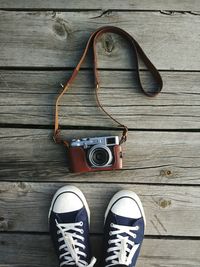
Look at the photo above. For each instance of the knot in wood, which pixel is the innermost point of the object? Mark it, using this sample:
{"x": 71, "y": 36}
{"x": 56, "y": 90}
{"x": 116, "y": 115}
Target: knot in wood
{"x": 163, "y": 203}
{"x": 108, "y": 43}
{"x": 165, "y": 173}
{"x": 59, "y": 28}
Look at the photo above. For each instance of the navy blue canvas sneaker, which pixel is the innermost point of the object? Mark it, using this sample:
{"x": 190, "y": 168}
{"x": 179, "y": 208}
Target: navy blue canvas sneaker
{"x": 123, "y": 230}
{"x": 69, "y": 219}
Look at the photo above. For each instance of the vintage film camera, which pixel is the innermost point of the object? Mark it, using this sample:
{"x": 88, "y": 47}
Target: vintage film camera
{"x": 102, "y": 153}
{"x": 94, "y": 154}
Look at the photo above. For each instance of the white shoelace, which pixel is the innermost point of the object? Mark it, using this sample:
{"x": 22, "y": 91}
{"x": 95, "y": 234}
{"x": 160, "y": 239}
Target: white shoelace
{"x": 71, "y": 245}
{"x": 122, "y": 254}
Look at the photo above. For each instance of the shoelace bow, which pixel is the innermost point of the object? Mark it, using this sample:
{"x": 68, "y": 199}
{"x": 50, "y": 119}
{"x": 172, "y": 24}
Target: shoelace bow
{"x": 72, "y": 246}
{"x": 121, "y": 253}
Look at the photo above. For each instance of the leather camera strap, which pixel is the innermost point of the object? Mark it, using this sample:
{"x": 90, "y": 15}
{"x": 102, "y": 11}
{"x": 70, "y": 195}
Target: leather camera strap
{"x": 139, "y": 53}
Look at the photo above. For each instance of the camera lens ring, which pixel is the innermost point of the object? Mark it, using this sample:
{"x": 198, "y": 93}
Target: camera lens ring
{"x": 100, "y": 148}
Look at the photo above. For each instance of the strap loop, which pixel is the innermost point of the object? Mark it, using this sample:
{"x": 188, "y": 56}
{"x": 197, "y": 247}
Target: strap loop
{"x": 56, "y": 137}
{"x": 124, "y": 135}
{"x": 138, "y": 52}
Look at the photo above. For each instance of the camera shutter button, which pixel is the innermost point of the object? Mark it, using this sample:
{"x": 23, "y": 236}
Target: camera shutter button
{"x": 85, "y": 146}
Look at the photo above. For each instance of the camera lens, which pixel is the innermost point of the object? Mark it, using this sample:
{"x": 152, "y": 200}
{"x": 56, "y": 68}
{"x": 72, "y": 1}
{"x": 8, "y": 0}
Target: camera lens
{"x": 100, "y": 156}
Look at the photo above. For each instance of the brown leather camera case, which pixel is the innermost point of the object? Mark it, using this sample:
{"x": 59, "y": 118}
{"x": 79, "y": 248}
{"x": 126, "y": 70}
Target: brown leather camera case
{"x": 79, "y": 163}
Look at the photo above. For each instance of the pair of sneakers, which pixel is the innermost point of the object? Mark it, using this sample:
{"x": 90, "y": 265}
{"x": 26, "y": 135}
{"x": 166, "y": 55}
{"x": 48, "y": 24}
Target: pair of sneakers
{"x": 69, "y": 220}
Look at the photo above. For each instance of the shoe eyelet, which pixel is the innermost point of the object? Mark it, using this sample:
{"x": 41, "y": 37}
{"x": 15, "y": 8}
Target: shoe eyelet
{"x": 58, "y": 232}
{"x": 134, "y": 236}
{"x": 137, "y": 228}
{"x": 110, "y": 233}
{"x": 82, "y": 231}
{"x": 81, "y": 223}
{"x": 111, "y": 225}
{"x": 109, "y": 242}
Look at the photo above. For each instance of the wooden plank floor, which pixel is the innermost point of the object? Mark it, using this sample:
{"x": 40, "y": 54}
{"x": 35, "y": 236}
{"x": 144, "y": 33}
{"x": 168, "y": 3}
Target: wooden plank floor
{"x": 40, "y": 43}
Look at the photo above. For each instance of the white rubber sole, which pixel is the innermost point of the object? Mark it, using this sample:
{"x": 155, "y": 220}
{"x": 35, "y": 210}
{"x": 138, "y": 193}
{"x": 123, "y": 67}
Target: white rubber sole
{"x": 74, "y": 189}
{"x": 125, "y": 193}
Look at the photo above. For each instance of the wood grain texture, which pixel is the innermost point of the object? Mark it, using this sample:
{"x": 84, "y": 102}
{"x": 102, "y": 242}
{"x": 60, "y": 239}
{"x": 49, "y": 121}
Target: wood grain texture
{"x": 166, "y": 207}
{"x": 161, "y": 163}
{"x": 104, "y": 5}
{"x": 21, "y": 250}
{"x": 49, "y": 39}
{"x": 149, "y": 157}
{"x": 28, "y": 97}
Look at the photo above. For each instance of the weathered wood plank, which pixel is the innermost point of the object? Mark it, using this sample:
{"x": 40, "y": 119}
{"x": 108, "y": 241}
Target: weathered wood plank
{"x": 50, "y": 39}
{"x": 166, "y": 207}
{"x": 28, "y": 97}
{"x": 104, "y": 5}
{"x": 150, "y": 157}
{"x": 20, "y": 250}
